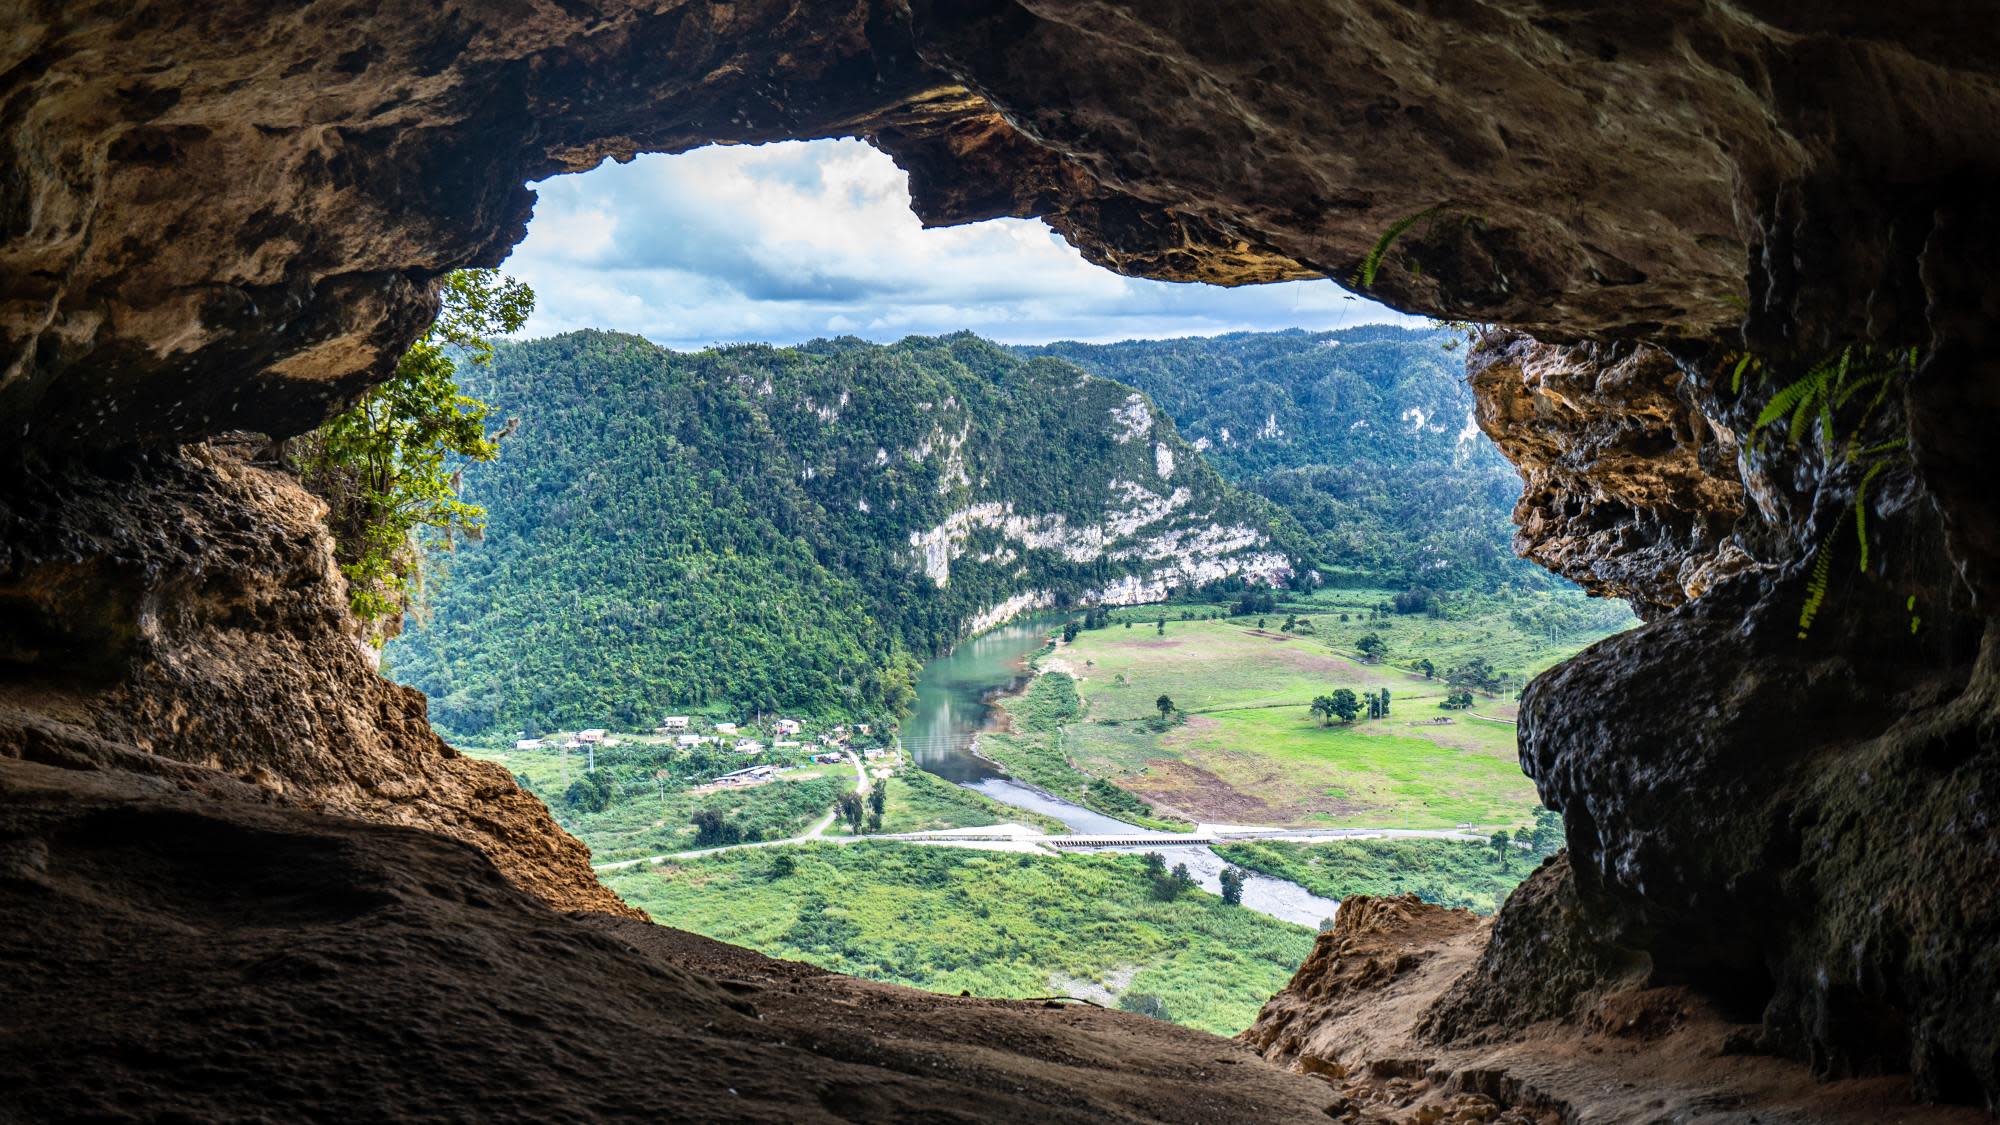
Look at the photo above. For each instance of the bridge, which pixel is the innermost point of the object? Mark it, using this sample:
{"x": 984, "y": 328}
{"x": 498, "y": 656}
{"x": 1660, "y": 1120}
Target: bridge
{"x": 1021, "y": 838}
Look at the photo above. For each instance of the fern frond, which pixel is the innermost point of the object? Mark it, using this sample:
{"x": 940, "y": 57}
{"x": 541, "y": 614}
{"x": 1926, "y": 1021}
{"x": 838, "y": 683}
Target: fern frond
{"x": 1364, "y": 278}
{"x": 1816, "y": 586}
{"x": 1861, "y": 508}
{"x": 1787, "y": 399}
{"x": 1736, "y": 380}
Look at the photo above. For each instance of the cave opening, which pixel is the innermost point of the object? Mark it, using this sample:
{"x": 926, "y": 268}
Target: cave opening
{"x": 234, "y": 221}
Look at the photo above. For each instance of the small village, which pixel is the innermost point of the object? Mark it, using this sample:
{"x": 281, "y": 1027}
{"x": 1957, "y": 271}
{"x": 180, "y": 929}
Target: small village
{"x": 788, "y": 745}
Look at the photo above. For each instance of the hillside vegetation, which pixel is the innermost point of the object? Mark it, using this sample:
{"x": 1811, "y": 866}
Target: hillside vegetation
{"x": 993, "y": 924}
{"x": 757, "y": 529}
{"x": 1363, "y": 435}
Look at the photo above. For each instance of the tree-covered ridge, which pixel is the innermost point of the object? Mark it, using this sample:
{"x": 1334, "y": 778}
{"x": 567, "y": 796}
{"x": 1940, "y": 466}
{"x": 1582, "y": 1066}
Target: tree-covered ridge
{"x": 1364, "y": 435}
{"x": 763, "y": 529}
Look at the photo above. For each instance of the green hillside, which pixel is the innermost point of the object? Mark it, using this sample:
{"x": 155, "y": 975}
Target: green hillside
{"x": 1363, "y": 435}
{"x": 761, "y": 529}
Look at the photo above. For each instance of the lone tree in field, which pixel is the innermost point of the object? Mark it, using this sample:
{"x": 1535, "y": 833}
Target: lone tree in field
{"x": 878, "y": 797}
{"x": 1166, "y": 705}
{"x": 1503, "y": 843}
{"x": 851, "y": 810}
{"x": 1232, "y": 887}
{"x": 1429, "y": 669}
{"x": 1372, "y": 647}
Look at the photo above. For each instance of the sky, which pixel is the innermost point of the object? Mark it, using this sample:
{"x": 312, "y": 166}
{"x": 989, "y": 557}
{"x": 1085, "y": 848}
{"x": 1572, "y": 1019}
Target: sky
{"x": 781, "y": 243}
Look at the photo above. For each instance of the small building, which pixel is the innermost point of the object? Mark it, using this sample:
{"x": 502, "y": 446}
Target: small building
{"x": 687, "y": 740}
{"x": 826, "y": 759}
{"x": 782, "y": 745}
{"x": 529, "y": 744}
{"x": 593, "y": 735}
{"x": 725, "y": 728}
{"x": 749, "y": 746}
{"x": 787, "y": 726}
{"x": 674, "y": 723}
{"x": 874, "y": 753}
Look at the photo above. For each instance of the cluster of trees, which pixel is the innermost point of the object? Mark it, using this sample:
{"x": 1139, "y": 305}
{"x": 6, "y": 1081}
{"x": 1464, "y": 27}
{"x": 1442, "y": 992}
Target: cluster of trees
{"x": 732, "y": 528}
{"x": 864, "y": 815}
{"x": 1542, "y": 840}
{"x": 1361, "y": 435}
{"x": 1167, "y": 885}
{"x": 1343, "y": 704}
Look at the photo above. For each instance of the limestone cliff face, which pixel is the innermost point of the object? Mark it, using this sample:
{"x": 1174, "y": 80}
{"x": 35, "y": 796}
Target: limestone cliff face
{"x": 199, "y": 618}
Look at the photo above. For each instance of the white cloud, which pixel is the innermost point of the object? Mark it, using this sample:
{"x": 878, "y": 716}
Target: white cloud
{"x": 781, "y": 243}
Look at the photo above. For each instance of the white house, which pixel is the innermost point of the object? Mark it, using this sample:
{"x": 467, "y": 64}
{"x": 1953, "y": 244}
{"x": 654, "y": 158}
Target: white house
{"x": 725, "y": 728}
{"x": 595, "y": 734}
{"x": 528, "y": 744}
{"x": 674, "y": 723}
{"x": 787, "y": 726}
{"x": 749, "y": 746}
{"x": 688, "y": 740}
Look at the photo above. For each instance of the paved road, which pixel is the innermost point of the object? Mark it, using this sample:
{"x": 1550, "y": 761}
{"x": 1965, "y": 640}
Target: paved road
{"x": 1072, "y": 841}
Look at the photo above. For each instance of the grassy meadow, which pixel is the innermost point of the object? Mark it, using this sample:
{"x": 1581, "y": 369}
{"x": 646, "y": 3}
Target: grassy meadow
{"x": 993, "y": 924}
{"x": 1245, "y": 748}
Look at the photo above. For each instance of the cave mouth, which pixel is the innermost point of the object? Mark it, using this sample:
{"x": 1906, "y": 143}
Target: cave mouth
{"x": 220, "y": 225}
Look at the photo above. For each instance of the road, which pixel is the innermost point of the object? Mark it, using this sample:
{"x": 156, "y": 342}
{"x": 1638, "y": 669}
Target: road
{"x": 816, "y": 832}
{"x": 1015, "y": 837}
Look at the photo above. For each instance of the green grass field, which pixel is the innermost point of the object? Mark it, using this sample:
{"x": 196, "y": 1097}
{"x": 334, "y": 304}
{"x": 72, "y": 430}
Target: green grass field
{"x": 1445, "y": 872}
{"x": 923, "y": 802}
{"x": 993, "y": 924}
{"x": 1249, "y": 750}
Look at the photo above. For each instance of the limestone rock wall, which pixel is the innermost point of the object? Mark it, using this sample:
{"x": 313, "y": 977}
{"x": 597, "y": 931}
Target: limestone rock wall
{"x": 187, "y": 607}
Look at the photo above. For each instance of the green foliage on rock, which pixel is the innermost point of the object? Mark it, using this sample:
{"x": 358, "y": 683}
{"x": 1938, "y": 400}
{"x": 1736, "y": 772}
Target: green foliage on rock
{"x": 772, "y": 529}
{"x": 388, "y": 467}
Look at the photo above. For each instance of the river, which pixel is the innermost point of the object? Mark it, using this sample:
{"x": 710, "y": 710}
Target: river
{"x": 954, "y": 703}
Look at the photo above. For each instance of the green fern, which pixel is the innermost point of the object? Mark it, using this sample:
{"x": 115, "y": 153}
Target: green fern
{"x": 1364, "y": 278}
{"x": 1816, "y": 587}
{"x": 1813, "y": 403}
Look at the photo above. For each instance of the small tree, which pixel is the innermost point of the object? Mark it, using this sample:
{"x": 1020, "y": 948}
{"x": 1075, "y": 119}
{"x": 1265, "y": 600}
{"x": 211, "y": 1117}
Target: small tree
{"x": 1161, "y": 625}
{"x": 1166, "y": 705}
{"x": 784, "y": 866}
{"x": 1384, "y": 697}
{"x": 1069, "y": 631}
{"x": 878, "y": 798}
{"x": 1156, "y": 865}
{"x": 1427, "y": 668}
{"x": 386, "y": 468}
{"x": 851, "y": 810}
{"x": 1372, "y": 647}
{"x": 1232, "y": 886}
{"x": 1346, "y": 705}
{"x": 1503, "y": 842}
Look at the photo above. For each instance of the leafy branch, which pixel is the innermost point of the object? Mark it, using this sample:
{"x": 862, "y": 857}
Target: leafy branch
{"x": 386, "y": 467}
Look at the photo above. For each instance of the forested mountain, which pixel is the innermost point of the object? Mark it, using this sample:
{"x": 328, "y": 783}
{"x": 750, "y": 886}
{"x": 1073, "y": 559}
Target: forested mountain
{"x": 756, "y": 528}
{"x": 1364, "y": 435}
